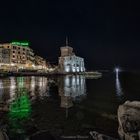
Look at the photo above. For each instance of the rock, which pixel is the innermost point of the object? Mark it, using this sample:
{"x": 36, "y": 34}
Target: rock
{"x": 97, "y": 136}
{"x": 129, "y": 120}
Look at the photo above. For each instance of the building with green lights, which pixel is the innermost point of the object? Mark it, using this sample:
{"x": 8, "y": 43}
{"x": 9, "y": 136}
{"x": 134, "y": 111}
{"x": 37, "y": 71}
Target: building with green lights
{"x": 17, "y": 54}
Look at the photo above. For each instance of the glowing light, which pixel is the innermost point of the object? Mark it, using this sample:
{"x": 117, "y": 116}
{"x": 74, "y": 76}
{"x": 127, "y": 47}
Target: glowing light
{"x": 21, "y": 106}
{"x": 20, "y": 81}
{"x": 24, "y": 44}
{"x": 78, "y": 69}
{"x": 67, "y": 69}
{"x": 73, "y": 69}
{"x": 118, "y": 85}
{"x": 12, "y": 87}
{"x": 19, "y": 109}
{"x": 117, "y": 70}
{"x": 1, "y": 89}
{"x": 12, "y": 64}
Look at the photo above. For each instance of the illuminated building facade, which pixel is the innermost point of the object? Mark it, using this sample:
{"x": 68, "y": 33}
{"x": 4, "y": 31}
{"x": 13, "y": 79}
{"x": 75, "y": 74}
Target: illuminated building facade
{"x": 40, "y": 62}
{"x": 69, "y": 62}
{"x": 16, "y": 52}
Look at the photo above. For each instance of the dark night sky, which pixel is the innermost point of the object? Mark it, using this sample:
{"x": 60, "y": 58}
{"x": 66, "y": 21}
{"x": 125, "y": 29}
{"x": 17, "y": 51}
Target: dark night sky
{"x": 105, "y": 32}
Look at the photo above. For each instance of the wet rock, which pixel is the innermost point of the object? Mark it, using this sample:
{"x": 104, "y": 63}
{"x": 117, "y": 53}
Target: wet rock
{"x": 97, "y": 136}
{"x": 129, "y": 120}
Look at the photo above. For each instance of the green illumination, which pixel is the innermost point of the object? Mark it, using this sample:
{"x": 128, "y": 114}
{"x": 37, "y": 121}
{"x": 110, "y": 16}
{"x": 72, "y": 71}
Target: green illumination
{"x": 20, "y": 82}
{"x": 19, "y": 111}
{"x": 16, "y": 43}
{"x": 20, "y": 108}
{"x": 24, "y": 44}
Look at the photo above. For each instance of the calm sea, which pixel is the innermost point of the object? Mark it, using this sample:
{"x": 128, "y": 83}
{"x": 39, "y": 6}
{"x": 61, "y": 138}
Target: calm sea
{"x": 65, "y": 106}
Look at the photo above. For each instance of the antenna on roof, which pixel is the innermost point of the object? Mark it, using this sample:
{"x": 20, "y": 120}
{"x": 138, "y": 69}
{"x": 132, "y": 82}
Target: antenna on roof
{"x": 67, "y": 43}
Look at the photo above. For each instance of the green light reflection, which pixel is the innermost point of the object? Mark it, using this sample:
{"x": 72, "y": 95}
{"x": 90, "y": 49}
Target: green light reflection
{"x": 19, "y": 109}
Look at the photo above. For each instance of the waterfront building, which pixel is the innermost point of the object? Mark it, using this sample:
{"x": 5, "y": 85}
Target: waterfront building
{"x": 6, "y": 56}
{"x": 40, "y": 62}
{"x": 69, "y": 62}
{"x": 16, "y": 55}
{"x": 19, "y": 52}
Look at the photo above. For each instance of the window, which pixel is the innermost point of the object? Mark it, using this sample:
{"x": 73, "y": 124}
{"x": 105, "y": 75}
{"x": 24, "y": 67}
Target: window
{"x": 13, "y": 51}
{"x": 18, "y": 52}
{"x": 14, "y": 47}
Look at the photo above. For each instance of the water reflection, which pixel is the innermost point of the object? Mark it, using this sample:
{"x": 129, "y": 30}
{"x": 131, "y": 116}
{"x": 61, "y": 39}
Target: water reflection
{"x": 18, "y": 94}
{"x": 119, "y": 91}
{"x": 46, "y": 102}
{"x": 32, "y": 86}
{"x": 43, "y": 86}
{"x": 1, "y": 90}
{"x": 71, "y": 88}
{"x": 19, "y": 109}
{"x": 12, "y": 87}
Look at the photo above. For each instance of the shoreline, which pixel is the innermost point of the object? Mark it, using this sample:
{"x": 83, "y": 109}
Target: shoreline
{"x": 88, "y": 74}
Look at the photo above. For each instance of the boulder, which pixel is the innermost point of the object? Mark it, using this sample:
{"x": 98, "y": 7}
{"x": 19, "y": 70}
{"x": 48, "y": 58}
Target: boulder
{"x": 129, "y": 120}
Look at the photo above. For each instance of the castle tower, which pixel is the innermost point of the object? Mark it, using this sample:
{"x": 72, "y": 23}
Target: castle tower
{"x": 68, "y": 61}
{"x": 66, "y": 50}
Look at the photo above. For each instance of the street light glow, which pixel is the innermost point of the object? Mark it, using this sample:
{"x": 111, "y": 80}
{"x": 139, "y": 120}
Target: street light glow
{"x": 117, "y": 70}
